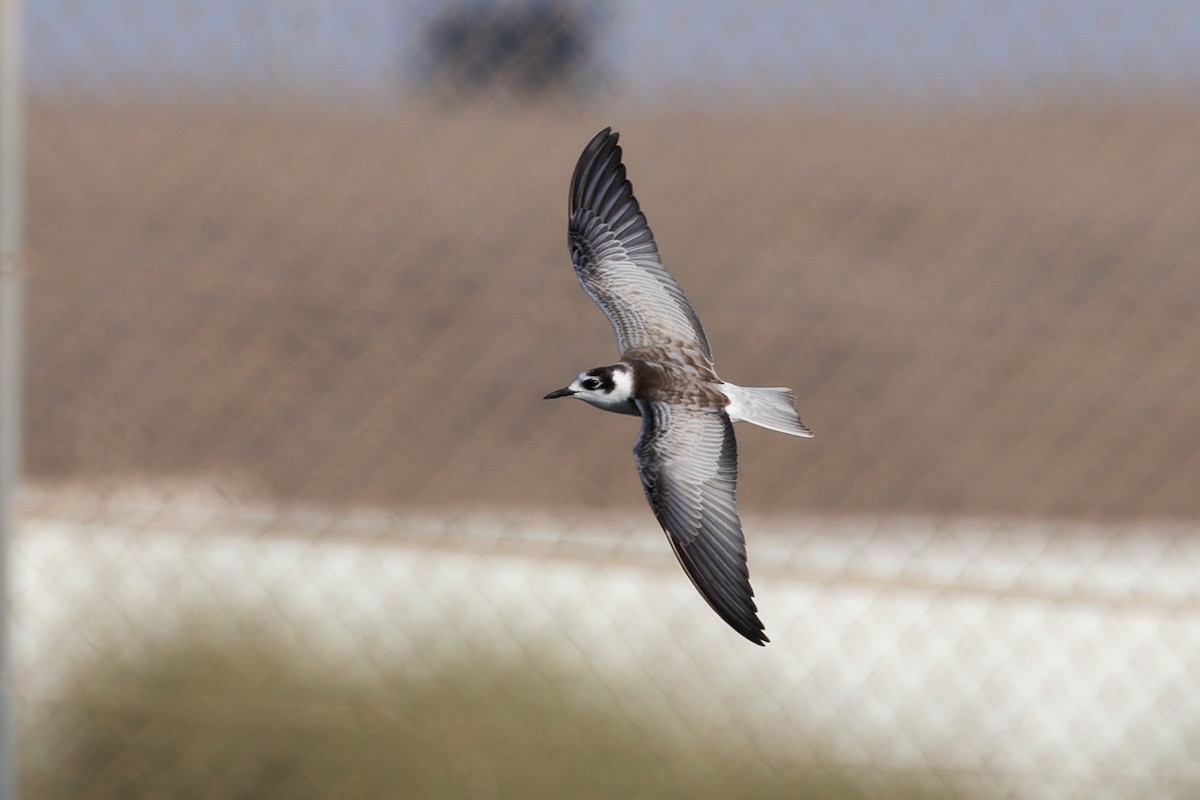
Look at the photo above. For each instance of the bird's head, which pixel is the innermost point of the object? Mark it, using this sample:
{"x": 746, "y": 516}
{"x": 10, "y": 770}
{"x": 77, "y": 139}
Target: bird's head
{"x": 609, "y": 388}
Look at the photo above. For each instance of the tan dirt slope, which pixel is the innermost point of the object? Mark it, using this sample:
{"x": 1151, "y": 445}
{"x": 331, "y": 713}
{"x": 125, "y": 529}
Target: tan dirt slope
{"x": 985, "y": 311}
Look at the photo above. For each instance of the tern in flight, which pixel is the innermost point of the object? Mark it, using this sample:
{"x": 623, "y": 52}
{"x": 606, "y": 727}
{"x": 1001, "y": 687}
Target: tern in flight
{"x": 686, "y": 454}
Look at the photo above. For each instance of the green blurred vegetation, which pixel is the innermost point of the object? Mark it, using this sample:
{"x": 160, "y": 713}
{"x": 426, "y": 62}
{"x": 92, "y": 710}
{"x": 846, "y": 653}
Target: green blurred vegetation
{"x": 240, "y": 714}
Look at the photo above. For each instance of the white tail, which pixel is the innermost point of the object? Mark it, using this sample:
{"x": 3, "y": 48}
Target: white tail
{"x": 772, "y": 408}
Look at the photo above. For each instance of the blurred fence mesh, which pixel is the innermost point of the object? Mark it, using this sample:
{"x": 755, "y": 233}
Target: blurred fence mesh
{"x": 296, "y": 523}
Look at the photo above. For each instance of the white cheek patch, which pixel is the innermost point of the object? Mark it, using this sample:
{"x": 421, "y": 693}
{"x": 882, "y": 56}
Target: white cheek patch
{"x": 622, "y": 385}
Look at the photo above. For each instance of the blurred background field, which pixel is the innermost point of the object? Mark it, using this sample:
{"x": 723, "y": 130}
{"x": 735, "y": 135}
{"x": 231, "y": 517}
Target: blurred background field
{"x": 295, "y": 522}
{"x": 984, "y": 312}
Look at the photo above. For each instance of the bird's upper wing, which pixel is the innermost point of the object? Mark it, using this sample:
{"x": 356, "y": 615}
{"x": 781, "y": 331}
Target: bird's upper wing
{"x": 616, "y": 259}
{"x": 687, "y": 460}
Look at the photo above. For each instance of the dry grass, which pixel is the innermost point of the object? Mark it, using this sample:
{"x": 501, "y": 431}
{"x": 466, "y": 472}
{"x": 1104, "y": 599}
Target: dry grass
{"x": 987, "y": 311}
{"x": 236, "y": 714}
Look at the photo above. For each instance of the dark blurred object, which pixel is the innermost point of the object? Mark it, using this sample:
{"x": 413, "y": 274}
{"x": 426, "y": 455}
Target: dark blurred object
{"x": 530, "y": 48}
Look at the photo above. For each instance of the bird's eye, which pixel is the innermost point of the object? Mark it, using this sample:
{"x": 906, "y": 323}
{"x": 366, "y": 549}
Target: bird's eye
{"x": 590, "y": 384}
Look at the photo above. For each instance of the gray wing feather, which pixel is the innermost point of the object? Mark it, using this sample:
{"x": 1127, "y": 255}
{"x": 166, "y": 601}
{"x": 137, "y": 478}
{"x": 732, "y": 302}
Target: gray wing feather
{"x": 687, "y": 460}
{"x": 616, "y": 260}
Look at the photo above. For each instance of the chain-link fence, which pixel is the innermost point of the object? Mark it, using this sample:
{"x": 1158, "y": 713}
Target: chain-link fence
{"x": 296, "y": 523}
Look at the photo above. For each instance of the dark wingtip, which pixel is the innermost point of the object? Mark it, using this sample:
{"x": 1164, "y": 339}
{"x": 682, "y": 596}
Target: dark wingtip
{"x": 598, "y": 139}
{"x": 598, "y": 149}
{"x": 736, "y": 610}
{"x": 752, "y": 634}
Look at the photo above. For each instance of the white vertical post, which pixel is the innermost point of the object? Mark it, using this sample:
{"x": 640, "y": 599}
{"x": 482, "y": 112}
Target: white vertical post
{"x": 12, "y": 180}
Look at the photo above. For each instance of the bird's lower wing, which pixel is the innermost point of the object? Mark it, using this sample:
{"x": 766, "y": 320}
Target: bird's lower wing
{"x": 687, "y": 460}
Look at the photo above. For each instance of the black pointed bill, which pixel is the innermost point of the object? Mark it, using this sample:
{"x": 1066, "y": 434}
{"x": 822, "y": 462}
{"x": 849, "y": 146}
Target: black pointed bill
{"x": 565, "y": 392}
